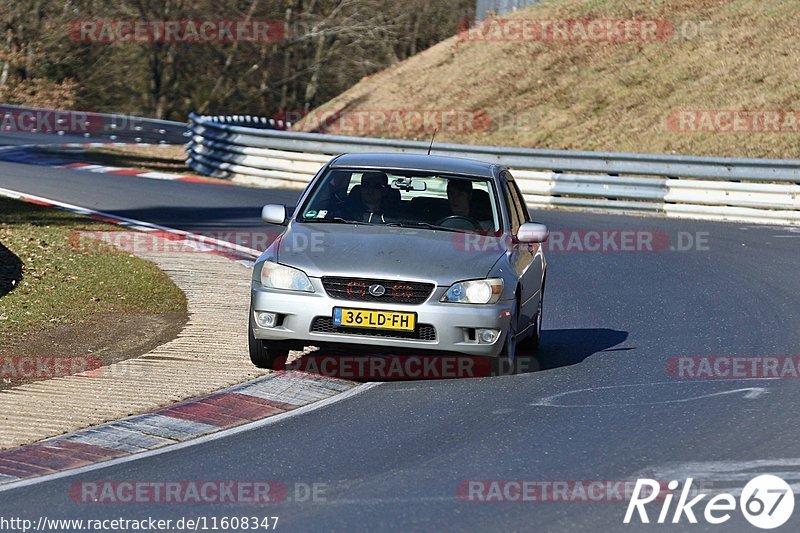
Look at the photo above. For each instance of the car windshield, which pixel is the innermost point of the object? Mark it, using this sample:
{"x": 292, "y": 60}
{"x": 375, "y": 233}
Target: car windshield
{"x": 403, "y": 198}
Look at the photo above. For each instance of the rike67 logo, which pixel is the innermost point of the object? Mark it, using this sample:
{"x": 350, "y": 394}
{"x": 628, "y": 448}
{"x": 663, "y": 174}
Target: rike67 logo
{"x": 767, "y": 502}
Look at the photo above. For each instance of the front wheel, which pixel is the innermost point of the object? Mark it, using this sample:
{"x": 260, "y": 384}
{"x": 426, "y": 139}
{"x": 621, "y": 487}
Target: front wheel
{"x": 532, "y": 342}
{"x": 536, "y": 337}
{"x": 263, "y": 354}
{"x": 509, "y": 351}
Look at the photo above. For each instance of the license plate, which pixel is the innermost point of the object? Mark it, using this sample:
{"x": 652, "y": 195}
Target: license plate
{"x": 365, "y": 318}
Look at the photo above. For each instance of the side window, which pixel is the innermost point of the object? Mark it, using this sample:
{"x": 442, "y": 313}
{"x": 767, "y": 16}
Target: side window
{"x": 513, "y": 210}
{"x": 524, "y": 215}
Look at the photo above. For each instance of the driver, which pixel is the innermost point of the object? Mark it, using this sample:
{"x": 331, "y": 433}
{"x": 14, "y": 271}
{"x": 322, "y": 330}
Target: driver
{"x": 459, "y": 194}
{"x": 335, "y": 201}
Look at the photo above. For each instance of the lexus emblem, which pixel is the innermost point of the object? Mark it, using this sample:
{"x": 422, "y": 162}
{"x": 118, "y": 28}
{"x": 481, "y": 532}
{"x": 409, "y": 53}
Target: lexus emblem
{"x": 377, "y": 290}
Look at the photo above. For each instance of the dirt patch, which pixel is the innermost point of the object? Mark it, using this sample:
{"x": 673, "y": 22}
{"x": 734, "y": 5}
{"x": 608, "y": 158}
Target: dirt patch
{"x": 59, "y": 350}
{"x": 159, "y": 158}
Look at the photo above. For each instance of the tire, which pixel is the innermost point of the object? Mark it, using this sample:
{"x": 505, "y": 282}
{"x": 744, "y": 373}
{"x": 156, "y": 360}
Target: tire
{"x": 263, "y": 354}
{"x": 532, "y": 342}
{"x": 509, "y": 350}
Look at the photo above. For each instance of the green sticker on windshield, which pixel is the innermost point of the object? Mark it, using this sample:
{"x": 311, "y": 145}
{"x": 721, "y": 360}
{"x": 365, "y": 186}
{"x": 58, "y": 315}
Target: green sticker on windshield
{"x": 311, "y": 214}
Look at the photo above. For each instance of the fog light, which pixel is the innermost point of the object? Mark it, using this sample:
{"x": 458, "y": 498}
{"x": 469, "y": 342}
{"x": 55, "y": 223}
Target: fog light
{"x": 487, "y": 336}
{"x": 266, "y": 320}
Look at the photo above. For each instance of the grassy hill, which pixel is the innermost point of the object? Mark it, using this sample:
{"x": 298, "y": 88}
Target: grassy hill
{"x": 717, "y": 56}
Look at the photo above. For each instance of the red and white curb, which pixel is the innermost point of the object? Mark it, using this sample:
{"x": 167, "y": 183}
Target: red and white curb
{"x": 216, "y": 246}
{"x": 217, "y": 415}
{"x": 120, "y": 171}
{"x": 232, "y": 410}
{"x": 105, "y": 169}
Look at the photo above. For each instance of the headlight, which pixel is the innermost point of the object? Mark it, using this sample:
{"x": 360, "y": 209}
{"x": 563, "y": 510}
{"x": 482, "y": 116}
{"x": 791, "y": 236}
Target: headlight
{"x": 482, "y": 291}
{"x": 277, "y": 276}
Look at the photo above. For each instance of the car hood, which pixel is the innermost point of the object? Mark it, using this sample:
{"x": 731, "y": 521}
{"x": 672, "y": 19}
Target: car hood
{"x": 383, "y": 252}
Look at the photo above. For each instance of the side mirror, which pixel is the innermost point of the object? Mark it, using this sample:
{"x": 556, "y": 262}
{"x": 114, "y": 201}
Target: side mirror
{"x": 531, "y": 232}
{"x": 273, "y": 214}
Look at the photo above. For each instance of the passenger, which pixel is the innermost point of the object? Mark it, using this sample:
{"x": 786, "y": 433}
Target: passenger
{"x": 371, "y": 203}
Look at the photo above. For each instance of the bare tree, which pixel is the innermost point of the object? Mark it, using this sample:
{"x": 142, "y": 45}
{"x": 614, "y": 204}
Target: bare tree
{"x": 329, "y": 45}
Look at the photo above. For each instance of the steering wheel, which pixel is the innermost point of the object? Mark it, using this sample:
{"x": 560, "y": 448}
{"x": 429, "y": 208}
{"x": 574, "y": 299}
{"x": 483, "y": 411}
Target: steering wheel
{"x": 445, "y": 222}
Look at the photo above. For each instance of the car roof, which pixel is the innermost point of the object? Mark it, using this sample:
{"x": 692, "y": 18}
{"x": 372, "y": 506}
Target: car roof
{"x": 422, "y": 162}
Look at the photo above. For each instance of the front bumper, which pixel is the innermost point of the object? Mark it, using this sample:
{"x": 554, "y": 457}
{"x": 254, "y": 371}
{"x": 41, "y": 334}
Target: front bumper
{"x": 454, "y": 324}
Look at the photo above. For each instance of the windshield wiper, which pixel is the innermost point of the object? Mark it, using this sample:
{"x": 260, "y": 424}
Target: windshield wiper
{"x": 332, "y": 220}
{"x": 420, "y": 225}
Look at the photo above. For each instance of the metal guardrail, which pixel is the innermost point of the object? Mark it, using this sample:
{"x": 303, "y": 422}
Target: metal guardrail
{"x": 91, "y": 126}
{"x": 749, "y": 190}
{"x": 250, "y": 121}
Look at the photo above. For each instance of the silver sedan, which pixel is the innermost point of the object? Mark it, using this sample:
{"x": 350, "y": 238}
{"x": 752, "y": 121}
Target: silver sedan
{"x": 401, "y": 252}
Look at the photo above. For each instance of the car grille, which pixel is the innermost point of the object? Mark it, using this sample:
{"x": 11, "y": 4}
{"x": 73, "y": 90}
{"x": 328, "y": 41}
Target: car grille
{"x": 423, "y": 332}
{"x": 401, "y": 292}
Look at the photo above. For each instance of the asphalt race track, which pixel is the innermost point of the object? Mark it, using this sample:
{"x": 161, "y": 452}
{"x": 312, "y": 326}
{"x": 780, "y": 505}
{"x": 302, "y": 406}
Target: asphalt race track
{"x": 600, "y": 406}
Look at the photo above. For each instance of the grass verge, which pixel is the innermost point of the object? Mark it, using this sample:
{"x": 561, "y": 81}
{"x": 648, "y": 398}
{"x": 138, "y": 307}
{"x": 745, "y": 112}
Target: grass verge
{"x": 61, "y": 284}
{"x": 154, "y": 158}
